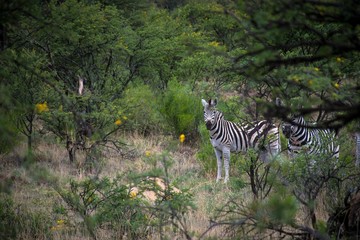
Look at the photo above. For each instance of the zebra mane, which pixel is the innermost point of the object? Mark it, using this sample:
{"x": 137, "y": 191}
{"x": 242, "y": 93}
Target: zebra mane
{"x": 219, "y": 114}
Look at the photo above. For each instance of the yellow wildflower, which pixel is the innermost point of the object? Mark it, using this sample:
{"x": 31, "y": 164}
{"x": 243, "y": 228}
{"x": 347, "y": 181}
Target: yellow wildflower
{"x": 60, "y": 222}
{"x": 339, "y": 59}
{"x": 336, "y": 85}
{"x": 296, "y": 79}
{"x": 132, "y": 194}
{"x": 125, "y": 117}
{"x": 118, "y": 122}
{"x": 316, "y": 69}
{"x": 54, "y": 228}
{"x": 214, "y": 44}
{"x": 182, "y": 138}
{"x": 41, "y": 107}
{"x": 147, "y": 153}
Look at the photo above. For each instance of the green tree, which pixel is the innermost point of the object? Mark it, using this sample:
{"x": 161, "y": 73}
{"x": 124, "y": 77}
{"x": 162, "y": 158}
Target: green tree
{"x": 11, "y": 12}
{"x": 88, "y": 43}
{"x": 304, "y": 50}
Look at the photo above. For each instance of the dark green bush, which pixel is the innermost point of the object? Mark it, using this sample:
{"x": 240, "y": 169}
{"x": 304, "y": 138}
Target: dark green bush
{"x": 17, "y": 222}
{"x": 7, "y": 218}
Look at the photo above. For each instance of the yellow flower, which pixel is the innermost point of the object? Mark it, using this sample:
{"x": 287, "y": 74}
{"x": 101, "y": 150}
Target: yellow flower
{"x": 214, "y": 44}
{"x": 317, "y": 69}
{"x": 41, "y": 107}
{"x": 54, "y": 228}
{"x": 118, "y": 122}
{"x": 182, "y": 138}
{"x": 296, "y": 79}
{"x": 60, "y": 221}
{"x": 336, "y": 85}
{"x": 339, "y": 59}
{"x": 147, "y": 153}
{"x": 133, "y": 194}
{"x": 125, "y": 117}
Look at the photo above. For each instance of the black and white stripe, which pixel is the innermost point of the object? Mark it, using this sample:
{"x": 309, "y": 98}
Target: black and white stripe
{"x": 226, "y": 137}
{"x": 305, "y": 138}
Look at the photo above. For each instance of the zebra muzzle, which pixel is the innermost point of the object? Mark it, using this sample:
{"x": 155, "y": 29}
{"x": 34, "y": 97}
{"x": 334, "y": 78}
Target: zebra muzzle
{"x": 208, "y": 125}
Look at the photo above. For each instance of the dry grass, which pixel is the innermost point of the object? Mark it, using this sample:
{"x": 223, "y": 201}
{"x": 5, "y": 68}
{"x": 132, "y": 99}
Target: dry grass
{"x": 140, "y": 155}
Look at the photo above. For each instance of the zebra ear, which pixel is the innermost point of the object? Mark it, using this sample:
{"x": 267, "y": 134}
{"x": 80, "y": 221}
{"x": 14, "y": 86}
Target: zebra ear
{"x": 215, "y": 102}
{"x": 212, "y": 102}
{"x": 204, "y": 103}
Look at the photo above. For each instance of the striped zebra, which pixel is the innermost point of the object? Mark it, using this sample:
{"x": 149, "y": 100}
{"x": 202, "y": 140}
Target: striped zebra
{"x": 226, "y": 137}
{"x": 304, "y": 138}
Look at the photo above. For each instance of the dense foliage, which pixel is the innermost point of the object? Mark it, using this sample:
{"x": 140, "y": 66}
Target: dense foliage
{"x": 84, "y": 71}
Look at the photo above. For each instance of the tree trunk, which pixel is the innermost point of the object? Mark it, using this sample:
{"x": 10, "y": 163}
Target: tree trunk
{"x": 71, "y": 150}
{"x": 357, "y": 152}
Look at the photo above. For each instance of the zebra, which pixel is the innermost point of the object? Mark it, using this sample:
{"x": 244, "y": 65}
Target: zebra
{"x": 305, "y": 138}
{"x": 226, "y": 137}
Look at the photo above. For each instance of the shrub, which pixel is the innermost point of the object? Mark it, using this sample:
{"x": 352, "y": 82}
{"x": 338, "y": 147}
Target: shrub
{"x": 7, "y": 218}
{"x": 142, "y": 110}
{"x": 182, "y": 110}
{"x": 17, "y": 222}
{"x": 206, "y": 153}
{"x": 111, "y": 204}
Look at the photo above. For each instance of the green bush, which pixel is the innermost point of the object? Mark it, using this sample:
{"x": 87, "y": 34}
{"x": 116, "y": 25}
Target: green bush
{"x": 206, "y": 153}
{"x": 17, "y": 222}
{"x": 111, "y": 204}
{"x": 9, "y": 134}
{"x": 7, "y": 218}
{"x": 182, "y": 110}
{"x": 142, "y": 110}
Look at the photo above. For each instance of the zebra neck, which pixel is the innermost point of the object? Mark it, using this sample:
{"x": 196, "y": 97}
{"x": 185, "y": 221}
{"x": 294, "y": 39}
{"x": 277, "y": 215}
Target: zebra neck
{"x": 299, "y": 137}
{"x": 217, "y": 128}
{"x": 214, "y": 131}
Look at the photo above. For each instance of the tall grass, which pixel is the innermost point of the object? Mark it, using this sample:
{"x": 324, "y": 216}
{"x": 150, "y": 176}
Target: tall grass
{"x": 45, "y": 200}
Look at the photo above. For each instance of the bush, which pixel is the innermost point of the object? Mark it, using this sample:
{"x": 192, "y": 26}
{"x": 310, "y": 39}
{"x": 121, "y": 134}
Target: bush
{"x": 142, "y": 110}
{"x": 206, "y": 153}
{"x": 7, "y": 218}
{"x": 19, "y": 223}
{"x": 182, "y": 110}
{"x": 111, "y": 204}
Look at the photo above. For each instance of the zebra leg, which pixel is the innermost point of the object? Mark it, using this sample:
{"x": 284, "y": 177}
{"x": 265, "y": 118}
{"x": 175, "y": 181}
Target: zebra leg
{"x": 265, "y": 156}
{"x": 218, "y": 154}
{"x": 226, "y": 152}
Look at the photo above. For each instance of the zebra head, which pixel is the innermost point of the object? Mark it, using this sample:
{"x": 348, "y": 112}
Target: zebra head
{"x": 290, "y": 128}
{"x": 209, "y": 112}
{"x": 287, "y": 129}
